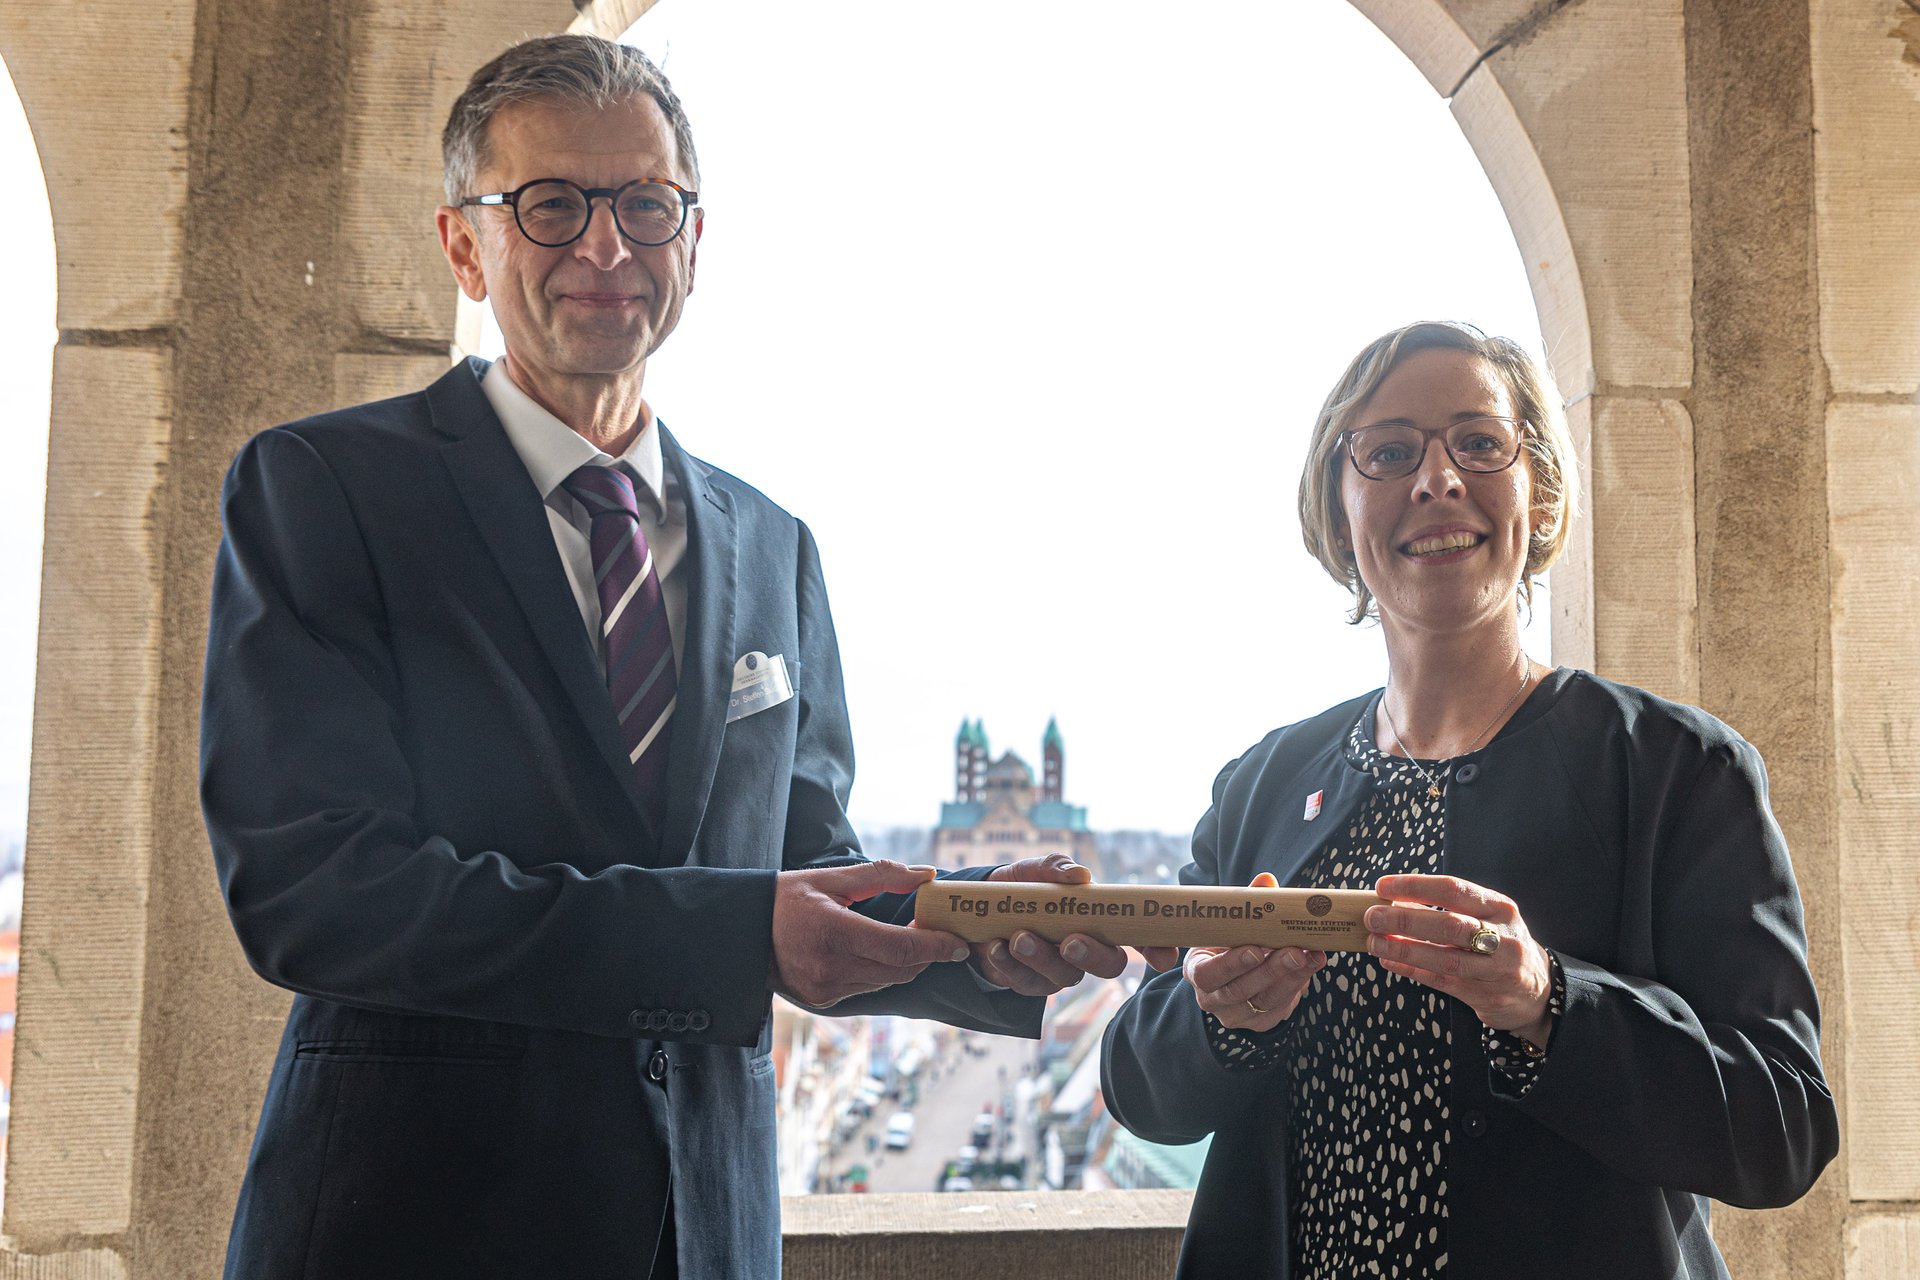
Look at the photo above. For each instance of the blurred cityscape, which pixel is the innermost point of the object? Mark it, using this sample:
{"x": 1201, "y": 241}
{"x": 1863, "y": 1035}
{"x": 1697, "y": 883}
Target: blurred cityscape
{"x": 901, "y": 1104}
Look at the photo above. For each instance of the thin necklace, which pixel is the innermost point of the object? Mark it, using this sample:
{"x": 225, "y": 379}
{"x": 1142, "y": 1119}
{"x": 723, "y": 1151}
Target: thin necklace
{"x": 1433, "y": 784}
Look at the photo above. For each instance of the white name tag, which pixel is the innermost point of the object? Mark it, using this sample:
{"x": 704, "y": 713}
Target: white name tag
{"x": 759, "y": 682}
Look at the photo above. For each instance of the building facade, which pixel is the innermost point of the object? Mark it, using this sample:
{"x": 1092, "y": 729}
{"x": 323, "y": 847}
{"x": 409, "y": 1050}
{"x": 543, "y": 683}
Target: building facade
{"x": 999, "y": 813}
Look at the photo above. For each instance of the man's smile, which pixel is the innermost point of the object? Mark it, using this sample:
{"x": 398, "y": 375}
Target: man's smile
{"x": 602, "y": 300}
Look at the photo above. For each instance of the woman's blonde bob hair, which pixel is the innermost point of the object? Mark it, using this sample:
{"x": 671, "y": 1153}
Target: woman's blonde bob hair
{"x": 1556, "y": 474}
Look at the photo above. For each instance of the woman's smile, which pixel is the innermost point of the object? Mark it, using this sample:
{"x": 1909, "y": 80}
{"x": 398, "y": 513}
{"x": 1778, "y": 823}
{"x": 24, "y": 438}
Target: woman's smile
{"x": 1442, "y": 547}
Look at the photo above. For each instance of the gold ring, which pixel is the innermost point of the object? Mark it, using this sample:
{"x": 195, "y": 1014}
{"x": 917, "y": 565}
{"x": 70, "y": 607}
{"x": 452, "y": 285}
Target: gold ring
{"x": 1484, "y": 941}
{"x": 1256, "y": 1008}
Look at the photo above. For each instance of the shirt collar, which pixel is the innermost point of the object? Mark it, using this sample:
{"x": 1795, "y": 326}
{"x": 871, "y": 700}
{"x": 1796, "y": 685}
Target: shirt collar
{"x": 551, "y": 450}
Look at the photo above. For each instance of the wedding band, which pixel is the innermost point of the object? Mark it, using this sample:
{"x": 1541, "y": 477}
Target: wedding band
{"x": 1484, "y": 941}
{"x": 1256, "y": 1008}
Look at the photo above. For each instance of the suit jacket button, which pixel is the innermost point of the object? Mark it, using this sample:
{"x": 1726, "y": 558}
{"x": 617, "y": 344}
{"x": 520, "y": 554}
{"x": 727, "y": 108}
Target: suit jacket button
{"x": 698, "y": 1021}
{"x": 677, "y": 1023}
{"x": 637, "y": 1019}
{"x": 657, "y": 1066}
{"x": 1466, "y": 773}
{"x": 657, "y": 1020}
{"x": 1474, "y": 1123}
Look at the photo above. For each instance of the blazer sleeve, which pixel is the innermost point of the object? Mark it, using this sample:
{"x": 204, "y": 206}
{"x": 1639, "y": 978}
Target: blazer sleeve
{"x": 818, "y": 832}
{"x": 1160, "y": 1078}
{"x": 308, "y": 797}
{"x": 1706, "y": 1076}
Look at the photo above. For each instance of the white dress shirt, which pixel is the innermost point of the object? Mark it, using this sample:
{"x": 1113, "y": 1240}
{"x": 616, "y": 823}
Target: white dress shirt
{"x": 552, "y": 451}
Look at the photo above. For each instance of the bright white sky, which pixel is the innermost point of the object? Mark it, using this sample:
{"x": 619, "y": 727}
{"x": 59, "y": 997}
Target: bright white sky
{"x": 26, "y": 359}
{"x": 1026, "y": 309}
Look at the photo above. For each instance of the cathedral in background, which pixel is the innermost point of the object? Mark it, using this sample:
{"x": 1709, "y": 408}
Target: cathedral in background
{"x": 999, "y": 814}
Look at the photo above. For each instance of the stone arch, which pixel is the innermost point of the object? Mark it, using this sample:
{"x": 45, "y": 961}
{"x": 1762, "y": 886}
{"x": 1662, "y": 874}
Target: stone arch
{"x": 1715, "y": 291}
{"x": 1726, "y": 189}
{"x": 25, "y": 330}
{"x": 1616, "y": 326}
{"x": 79, "y": 606}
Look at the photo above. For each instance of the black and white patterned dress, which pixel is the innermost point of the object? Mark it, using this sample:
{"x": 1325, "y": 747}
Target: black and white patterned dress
{"x": 1368, "y": 1057}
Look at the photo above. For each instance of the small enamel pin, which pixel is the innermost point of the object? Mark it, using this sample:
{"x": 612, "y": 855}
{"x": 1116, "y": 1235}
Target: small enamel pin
{"x": 1312, "y": 810}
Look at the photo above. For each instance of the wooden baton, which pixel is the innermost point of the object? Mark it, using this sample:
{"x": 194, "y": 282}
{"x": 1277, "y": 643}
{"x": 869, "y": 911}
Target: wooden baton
{"x": 1149, "y": 915}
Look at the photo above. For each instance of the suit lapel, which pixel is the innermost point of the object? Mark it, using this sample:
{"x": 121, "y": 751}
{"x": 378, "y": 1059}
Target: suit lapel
{"x": 707, "y": 656}
{"x": 512, "y": 521}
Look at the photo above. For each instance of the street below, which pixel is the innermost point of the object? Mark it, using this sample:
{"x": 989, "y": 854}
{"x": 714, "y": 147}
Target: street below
{"x": 978, "y": 1074}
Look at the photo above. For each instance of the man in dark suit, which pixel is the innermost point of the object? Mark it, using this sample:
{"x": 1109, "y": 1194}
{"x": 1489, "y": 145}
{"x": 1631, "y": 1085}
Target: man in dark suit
{"x": 525, "y": 760}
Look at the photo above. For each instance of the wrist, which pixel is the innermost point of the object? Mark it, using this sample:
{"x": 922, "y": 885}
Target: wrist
{"x": 1537, "y": 1033}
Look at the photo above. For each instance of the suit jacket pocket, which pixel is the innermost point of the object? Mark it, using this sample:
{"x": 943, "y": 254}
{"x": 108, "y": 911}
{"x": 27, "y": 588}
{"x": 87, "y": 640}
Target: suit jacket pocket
{"x": 478, "y": 1052}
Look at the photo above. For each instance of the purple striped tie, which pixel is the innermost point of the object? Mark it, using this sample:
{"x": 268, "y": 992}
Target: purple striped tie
{"x": 633, "y": 624}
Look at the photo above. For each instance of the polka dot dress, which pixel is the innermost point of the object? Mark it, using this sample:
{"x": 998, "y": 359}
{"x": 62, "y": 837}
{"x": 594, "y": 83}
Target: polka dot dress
{"x": 1369, "y": 1056}
{"x": 1371, "y": 1062}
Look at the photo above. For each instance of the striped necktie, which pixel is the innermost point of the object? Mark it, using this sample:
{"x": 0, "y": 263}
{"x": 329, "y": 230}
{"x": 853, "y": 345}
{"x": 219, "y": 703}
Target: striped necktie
{"x": 633, "y": 624}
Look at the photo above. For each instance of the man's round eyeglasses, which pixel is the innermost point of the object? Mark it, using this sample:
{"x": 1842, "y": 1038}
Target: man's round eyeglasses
{"x": 1391, "y": 450}
{"x": 553, "y": 212}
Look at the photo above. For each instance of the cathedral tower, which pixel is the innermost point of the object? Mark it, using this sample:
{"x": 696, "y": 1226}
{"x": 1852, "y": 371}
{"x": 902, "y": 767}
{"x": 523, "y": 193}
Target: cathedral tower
{"x": 1053, "y": 763}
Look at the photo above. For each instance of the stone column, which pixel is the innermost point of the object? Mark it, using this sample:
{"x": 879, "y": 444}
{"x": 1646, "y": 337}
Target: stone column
{"x": 242, "y": 197}
{"x": 1760, "y": 473}
{"x": 1754, "y": 321}
{"x": 1865, "y": 119}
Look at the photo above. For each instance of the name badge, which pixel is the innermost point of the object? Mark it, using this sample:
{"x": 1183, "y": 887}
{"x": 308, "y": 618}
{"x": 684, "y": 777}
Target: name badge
{"x": 759, "y": 682}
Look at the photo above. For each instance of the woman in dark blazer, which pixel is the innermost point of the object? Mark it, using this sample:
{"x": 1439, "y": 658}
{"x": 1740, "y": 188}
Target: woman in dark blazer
{"x": 1585, "y": 1009}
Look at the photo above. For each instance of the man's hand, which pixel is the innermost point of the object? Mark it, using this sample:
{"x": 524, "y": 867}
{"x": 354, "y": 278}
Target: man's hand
{"x": 823, "y": 952}
{"x": 1028, "y": 963}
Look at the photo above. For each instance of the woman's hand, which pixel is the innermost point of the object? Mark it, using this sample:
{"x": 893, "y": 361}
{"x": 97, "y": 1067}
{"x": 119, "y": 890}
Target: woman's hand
{"x": 1252, "y": 988}
{"x": 1427, "y": 934}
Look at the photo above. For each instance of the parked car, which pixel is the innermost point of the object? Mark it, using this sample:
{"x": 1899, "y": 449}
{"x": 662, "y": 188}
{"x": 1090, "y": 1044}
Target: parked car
{"x": 900, "y": 1131}
{"x": 983, "y": 1127}
{"x": 867, "y": 1097}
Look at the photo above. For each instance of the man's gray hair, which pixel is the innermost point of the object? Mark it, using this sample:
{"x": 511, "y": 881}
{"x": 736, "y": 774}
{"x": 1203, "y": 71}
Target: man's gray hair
{"x": 575, "y": 70}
